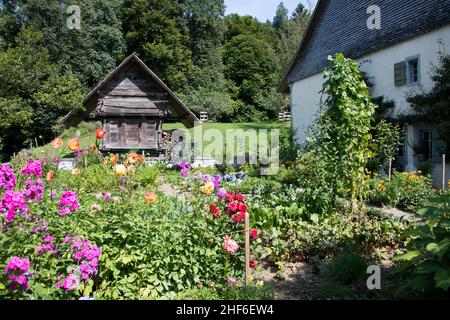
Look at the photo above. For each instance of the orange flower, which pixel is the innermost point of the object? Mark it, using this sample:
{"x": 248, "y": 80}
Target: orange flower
{"x": 105, "y": 162}
{"x": 73, "y": 144}
{"x": 49, "y": 176}
{"x": 99, "y": 133}
{"x": 151, "y": 197}
{"x": 114, "y": 159}
{"x": 57, "y": 143}
{"x": 133, "y": 157}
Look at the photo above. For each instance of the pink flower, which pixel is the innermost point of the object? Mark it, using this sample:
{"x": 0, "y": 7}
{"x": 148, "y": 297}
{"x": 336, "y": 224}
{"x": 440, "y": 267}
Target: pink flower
{"x": 233, "y": 206}
{"x": 7, "y": 178}
{"x": 185, "y": 172}
{"x": 238, "y": 217}
{"x": 254, "y": 233}
{"x": 230, "y": 246}
{"x": 21, "y": 279}
{"x": 107, "y": 196}
{"x": 207, "y": 178}
{"x": 71, "y": 282}
{"x": 241, "y": 207}
{"x": 13, "y": 203}
{"x": 69, "y": 203}
{"x": 17, "y": 268}
{"x": 49, "y": 239}
{"x": 198, "y": 175}
{"x": 34, "y": 190}
{"x": 232, "y": 282}
{"x": 33, "y": 168}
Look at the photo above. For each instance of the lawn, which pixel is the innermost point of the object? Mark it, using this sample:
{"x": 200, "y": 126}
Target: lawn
{"x": 85, "y": 132}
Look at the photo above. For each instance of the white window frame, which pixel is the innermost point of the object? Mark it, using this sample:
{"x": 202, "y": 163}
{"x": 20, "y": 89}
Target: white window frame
{"x": 408, "y": 61}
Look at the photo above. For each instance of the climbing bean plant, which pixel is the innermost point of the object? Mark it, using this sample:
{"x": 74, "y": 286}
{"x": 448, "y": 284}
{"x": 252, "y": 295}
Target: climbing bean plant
{"x": 342, "y": 135}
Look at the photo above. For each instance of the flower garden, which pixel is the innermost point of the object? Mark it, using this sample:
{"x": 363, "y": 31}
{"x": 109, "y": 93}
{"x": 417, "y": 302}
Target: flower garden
{"x": 119, "y": 227}
{"x": 108, "y": 230}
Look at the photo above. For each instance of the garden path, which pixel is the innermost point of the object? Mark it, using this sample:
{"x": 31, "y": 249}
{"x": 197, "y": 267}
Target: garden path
{"x": 396, "y": 213}
{"x": 299, "y": 282}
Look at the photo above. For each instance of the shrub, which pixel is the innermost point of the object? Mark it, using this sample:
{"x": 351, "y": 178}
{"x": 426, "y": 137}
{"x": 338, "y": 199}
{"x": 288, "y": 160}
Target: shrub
{"x": 425, "y": 266}
{"x": 406, "y": 191}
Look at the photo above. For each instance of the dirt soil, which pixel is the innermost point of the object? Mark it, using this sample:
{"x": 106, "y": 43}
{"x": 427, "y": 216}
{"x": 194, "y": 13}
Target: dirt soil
{"x": 299, "y": 284}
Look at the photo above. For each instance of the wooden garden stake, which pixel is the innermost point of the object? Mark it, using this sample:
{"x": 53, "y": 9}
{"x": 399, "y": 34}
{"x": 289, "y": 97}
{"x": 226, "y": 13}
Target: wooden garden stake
{"x": 443, "y": 172}
{"x": 390, "y": 170}
{"x": 247, "y": 248}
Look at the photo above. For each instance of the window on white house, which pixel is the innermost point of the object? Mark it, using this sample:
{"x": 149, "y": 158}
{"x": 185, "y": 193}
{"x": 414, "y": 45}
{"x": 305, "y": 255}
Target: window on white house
{"x": 427, "y": 144}
{"x": 412, "y": 66}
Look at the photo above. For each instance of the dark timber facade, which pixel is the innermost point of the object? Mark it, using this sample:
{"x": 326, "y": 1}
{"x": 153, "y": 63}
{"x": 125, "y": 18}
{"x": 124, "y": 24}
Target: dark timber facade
{"x": 132, "y": 103}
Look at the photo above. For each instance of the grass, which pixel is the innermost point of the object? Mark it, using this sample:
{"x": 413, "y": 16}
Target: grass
{"x": 85, "y": 131}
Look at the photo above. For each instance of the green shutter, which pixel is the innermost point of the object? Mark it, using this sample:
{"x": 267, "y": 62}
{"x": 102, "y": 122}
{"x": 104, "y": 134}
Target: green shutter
{"x": 400, "y": 74}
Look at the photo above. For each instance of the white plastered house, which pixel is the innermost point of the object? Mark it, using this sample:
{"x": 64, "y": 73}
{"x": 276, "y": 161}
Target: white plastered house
{"x": 396, "y": 43}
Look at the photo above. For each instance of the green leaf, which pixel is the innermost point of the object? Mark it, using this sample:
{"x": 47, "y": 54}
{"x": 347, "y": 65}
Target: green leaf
{"x": 442, "y": 278}
{"x": 408, "y": 256}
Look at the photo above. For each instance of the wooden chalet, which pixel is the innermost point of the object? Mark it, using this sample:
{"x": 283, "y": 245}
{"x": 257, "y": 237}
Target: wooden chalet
{"x": 132, "y": 103}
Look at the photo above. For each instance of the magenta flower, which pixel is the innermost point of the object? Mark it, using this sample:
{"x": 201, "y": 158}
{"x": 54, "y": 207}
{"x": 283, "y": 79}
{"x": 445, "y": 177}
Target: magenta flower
{"x": 183, "y": 165}
{"x": 107, "y": 197}
{"x": 18, "y": 273}
{"x": 13, "y": 203}
{"x": 87, "y": 254}
{"x": 69, "y": 203}
{"x": 34, "y": 190}
{"x": 217, "y": 179}
{"x": 33, "y": 168}
{"x": 7, "y": 178}
{"x": 16, "y": 263}
{"x": 185, "y": 172}
{"x": 71, "y": 282}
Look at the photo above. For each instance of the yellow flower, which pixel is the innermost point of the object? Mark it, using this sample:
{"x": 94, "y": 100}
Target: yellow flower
{"x": 120, "y": 170}
{"x": 75, "y": 171}
{"x": 207, "y": 188}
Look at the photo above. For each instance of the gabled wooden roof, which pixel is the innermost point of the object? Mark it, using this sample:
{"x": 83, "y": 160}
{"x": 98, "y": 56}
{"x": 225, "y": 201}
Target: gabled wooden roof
{"x": 181, "y": 111}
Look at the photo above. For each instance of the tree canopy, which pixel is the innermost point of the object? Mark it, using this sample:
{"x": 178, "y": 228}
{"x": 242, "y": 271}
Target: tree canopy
{"x": 228, "y": 65}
